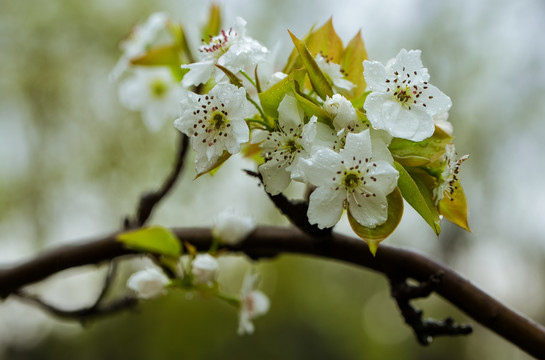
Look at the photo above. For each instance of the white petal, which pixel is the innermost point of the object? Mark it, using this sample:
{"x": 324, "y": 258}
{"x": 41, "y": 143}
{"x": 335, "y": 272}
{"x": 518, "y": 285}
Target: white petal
{"x": 374, "y": 74}
{"x": 261, "y": 303}
{"x": 148, "y": 283}
{"x": 357, "y": 147}
{"x": 321, "y": 168}
{"x": 204, "y": 268}
{"x": 368, "y": 211}
{"x": 276, "y": 178}
{"x": 289, "y": 113}
{"x": 386, "y": 176}
{"x": 232, "y": 228}
{"x": 240, "y": 134}
{"x": 410, "y": 60}
{"x": 380, "y": 140}
{"x": 439, "y": 102}
{"x": 199, "y": 73}
{"x": 326, "y": 206}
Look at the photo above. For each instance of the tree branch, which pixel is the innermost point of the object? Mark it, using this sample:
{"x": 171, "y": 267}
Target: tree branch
{"x": 425, "y": 330}
{"x": 149, "y": 200}
{"x": 272, "y": 241}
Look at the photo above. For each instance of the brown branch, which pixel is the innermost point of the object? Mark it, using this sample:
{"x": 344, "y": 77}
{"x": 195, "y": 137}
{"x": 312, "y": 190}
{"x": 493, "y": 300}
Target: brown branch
{"x": 149, "y": 200}
{"x": 424, "y": 329}
{"x": 272, "y": 241}
{"x": 98, "y": 309}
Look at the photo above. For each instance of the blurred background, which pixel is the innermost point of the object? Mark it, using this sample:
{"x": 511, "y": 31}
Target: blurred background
{"x": 73, "y": 163}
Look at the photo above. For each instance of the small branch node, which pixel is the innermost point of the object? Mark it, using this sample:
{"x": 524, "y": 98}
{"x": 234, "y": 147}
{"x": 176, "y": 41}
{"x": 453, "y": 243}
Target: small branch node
{"x": 425, "y": 329}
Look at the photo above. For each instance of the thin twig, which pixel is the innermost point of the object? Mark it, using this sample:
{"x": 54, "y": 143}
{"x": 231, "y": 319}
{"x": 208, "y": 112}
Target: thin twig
{"x": 84, "y": 314}
{"x": 424, "y": 329}
{"x": 295, "y": 211}
{"x": 149, "y": 200}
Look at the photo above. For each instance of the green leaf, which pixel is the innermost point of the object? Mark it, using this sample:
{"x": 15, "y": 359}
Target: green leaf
{"x": 410, "y": 153}
{"x": 352, "y": 63}
{"x": 166, "y": 55}
{"x": 310, "y": 108}
{"x": 213, "y": 27}
{"x": 418, "y": 194}
{"x": 294, "y": 60}
{"x": 326, "y": 41}
{"x": 454, "y": 206}
{"x": 272, "y": 97}
{"x": 373, "y": 237}
{"x": 153, "y": 239}
{"x": 317, "y": 78}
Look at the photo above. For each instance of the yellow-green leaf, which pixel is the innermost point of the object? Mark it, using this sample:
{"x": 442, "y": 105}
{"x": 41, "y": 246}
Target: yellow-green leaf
{"x": 352, "y": 63}
{"x": 232, "y": 77}
{"x": 373, "y": 237}
{"x": 166, "y": 55}
{"x": 410, "y": 153}
{"x": 294, "y": 60}
{"x": 454, "y": 206}
{"x": 213, "y": 26}
{"x": 272, "y": 97}
{"x": 317, "y": 78}
{"x": 310, "y": 108}
{"x": 326, "y": 41}
{"x": 153, "y": 239}
{"x": 418, "y": 195}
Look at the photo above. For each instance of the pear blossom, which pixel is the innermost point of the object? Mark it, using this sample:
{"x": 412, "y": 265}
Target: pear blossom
{"x": 148, "y": 283}
{"x": 231, "y": 49}
{"x": 449, "y": 177}
{"x": 154, "y": 92}
{"x": 402, "y": 101}
{"x": 215, "y": 122}
{"x": 334, "y": 72}
{"x": 204, "y": 269}
{"x": 283, "y": 148}
{"x": 359, "y": 177}
{"x": 232, "y": 228}
{"x": 441, "y": 121}
{"x": 153, "y": 32}
{"x": 253, "y": 303}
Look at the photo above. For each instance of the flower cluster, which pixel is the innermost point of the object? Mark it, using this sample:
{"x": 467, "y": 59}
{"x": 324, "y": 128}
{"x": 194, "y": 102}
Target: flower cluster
{"x": 361, "y": 135}
{"x": 196, "y": 272}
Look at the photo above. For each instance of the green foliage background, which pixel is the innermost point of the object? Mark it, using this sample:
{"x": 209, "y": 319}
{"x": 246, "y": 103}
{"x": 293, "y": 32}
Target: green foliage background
{"x": 73, "y": 162}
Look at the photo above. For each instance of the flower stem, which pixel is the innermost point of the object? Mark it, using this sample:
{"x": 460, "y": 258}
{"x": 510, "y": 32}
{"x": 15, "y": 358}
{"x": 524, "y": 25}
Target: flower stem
{"x": 249, "y": 78}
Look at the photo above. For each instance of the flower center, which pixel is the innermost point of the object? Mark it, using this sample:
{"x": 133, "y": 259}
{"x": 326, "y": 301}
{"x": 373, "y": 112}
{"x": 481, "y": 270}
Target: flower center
{"x": 291, "y": 146}
{"x": 351, "y": 180}
{"x": 218, "y": 121}
{"x": 158, "y": 88}
{"x": 403, "y": 95}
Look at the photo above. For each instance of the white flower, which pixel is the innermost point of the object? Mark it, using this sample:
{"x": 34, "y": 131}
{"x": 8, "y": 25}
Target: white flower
{"x": 154, "y": 92}
{"x": 148, "y": 283}
{"x": 232, "y": 228}
{"x": 253, "y": 303}
{"x": 441, "y": 121}
{"x": 231, "y": 49}
{"x": 216, "y": 122}
{"x": 402, "y": 101}
{"x": 204, "y": 269}
{"x": 283, "y": 148}
{"x": 335, "y": 74}
{"x": 358, "y": 177}
{"x": 449, "y": 177}
{"x": 141, "y": 39}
